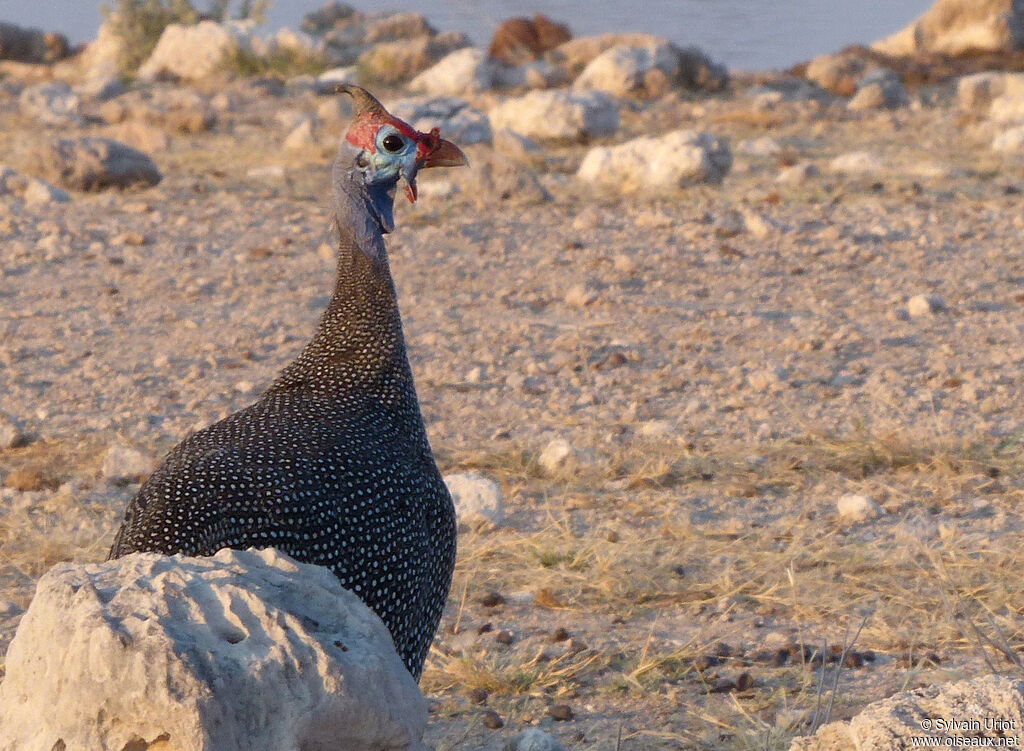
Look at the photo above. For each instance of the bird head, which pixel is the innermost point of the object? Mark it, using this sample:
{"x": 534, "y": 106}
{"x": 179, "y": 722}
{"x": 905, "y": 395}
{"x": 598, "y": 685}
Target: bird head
{"x": 387, "y": 148}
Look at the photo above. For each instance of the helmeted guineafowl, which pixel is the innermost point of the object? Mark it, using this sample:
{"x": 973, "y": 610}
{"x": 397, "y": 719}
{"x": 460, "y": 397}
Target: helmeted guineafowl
{"x": 331, "y": 465}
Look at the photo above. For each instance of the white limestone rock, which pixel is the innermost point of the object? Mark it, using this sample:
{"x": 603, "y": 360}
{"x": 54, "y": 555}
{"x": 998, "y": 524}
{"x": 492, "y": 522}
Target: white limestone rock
{"x": 464, "y": 71}
{"x": 694, "y": 70}
{"x": 632, "y": 70}
{"x": 1009, "y": 107}
{"x": 41, "y": 193}
{"x": 676, "y": 160}
{"x": 391, "y": 62}
{"x": 558, "y": 455}
{"x": 981, "y": 93}
{"x": 558, "y": 115}
{"x": 101, "y": 57}
{"x": 536, "y": 74}
{"x": 909, "y": 719}
{"x": 290, "y": 41}
{"x": 477, "y": 499}
{"x": 244, "y": 651}
{"x": 192, "y": 53}
{"x": 879, "y": 89}
{"x": 956, "y": 27}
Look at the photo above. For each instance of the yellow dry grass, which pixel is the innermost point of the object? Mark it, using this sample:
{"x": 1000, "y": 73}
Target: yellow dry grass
{"x": 608, "y": 541}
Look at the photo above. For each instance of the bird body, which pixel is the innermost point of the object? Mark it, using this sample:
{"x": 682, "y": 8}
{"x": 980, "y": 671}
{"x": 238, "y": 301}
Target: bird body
{"x": 332, "y": 464}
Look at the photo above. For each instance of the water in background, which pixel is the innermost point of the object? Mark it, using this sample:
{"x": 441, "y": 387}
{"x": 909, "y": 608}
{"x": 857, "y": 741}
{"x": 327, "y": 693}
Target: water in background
{"x": 744, "y": 34}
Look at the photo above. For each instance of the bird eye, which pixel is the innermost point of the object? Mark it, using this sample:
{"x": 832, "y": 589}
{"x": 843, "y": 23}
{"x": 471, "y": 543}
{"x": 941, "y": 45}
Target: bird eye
{"x": 393, "y": 143}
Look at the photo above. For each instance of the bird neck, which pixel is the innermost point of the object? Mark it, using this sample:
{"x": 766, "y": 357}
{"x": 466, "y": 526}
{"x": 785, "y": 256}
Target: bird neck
{"x": 358, "y": 345}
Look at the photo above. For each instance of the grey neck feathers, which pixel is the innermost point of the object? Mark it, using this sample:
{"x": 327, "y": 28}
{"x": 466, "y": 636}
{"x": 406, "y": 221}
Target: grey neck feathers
{"x": 358, "y": 344}
{"x": 367, "y": 208}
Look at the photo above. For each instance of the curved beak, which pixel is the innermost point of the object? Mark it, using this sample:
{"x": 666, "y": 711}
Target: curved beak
{"x": 447, "y": 154}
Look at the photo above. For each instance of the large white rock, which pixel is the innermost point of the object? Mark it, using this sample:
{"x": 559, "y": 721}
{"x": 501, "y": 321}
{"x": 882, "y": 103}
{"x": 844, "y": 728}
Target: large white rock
{"x": 245, "y": 651}
{"x": 675, "y": 160}
{"x": 955, "y": 27}
{"x": 908, "y": 719}
{"x": 879, "y": 89}
{"x": 194, "y": 52}
{"x": 464, "y": 71}
{"x": 102, "y": 56}
{"x": 557, "y": 115}
{"x": 627, "y": 70}
{"x": 998, "y": 96}
{"x": 477, "y": 499}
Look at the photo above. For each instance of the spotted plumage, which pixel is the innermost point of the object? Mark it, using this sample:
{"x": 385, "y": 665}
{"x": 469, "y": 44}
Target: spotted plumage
{"x": 331, "y": 465}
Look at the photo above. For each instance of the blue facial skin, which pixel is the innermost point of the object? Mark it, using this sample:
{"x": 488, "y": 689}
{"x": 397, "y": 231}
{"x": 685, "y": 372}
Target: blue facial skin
{"x": 382, "y": 170}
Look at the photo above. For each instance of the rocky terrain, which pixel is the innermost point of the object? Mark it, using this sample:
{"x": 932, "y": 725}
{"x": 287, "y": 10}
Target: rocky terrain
{"x": 739, "y": 358}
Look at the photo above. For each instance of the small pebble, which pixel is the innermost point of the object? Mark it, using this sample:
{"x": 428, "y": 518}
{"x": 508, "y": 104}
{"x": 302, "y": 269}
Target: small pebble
{"x": 558, "y": 454}
{"x": 492, "y": 600}
{"x": 704, "y": 662}
{"x": 581, "y": 295}
{"x": 504, "y": 637}
{"x": 478, "y": 696}
{"x": 722, "y": 686}
{"x": 559, "y": 634}
{"x": 854, "y": 507}
{"x": 491, "y": 719}
{"x": 560, "y": 712}
{"x": 925, "y": 305}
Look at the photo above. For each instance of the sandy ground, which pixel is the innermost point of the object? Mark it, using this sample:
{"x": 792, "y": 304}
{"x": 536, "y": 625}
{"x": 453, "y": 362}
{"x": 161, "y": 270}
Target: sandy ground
{"x": 726, "y": 361}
